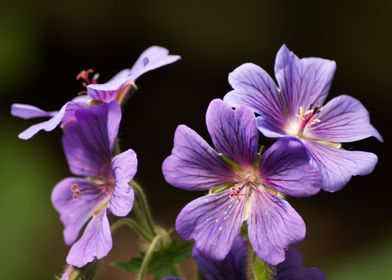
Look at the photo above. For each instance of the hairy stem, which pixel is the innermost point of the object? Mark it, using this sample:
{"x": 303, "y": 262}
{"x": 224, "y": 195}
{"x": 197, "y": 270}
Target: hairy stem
{"x": 250, "y": 271}
{"x": 147, "y": 257}
{"x": 142, "y": 200}
{"x": 134, "y": 226}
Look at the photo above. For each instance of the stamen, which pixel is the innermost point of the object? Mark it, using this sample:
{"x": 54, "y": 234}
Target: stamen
{"x": 76, "y": 194}
{"x": 84, "y": 75}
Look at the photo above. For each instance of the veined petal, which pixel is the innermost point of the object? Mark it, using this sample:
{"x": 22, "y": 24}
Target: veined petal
{"x": 95, "y": 243}
{"x": 233, "y": 132}
{"x": 26, "y": 111}
{"x": 213, "y": 221}
{"x": 75, "y": 199}
{"x": 124, "y": 169}
{"x": 272, "y": 225}
{"x": 193, "y": 164}
{"x": 233, "y": 267}
{"x": 253, "y": 87}
{"x": 48, "y": 125}
{"x": 152, "y": 58}
{"x": 343, "y": 119}
{"x": 72, "y": 107}
{"x": 292, "y": 268}
{"x": 89, "y": 140}
{"x": 285, "y": 167}
{"x": 109, "y": 91}
{"x": 337, "y": 166}
{"x": 303, "y": 82}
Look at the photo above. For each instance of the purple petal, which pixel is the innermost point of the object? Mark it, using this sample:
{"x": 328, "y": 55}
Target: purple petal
{"x": 233, "y": 132}
{"x": 69, "y": 273}
{"x": 303, "y": 82}
{"x": 88, "y": 141}
{"x": 285, "y": 168}
{"x": 109, "y": 91}
{"x": 124, "y": 169}
{"x": 253, "y": 87}
{"x": 72, "y": 107}
{"x": 213, "y": 221}
{"x": 75, "y": 199}
{"x": 343, "y": 119}
{"x": 272, "y": 225}
{"x": 292, "y": 268}
{"x": 48, "y": 125}
{"x": 233, "y": 267}
{"x": 95, "y": 243}
{"x": 152, "y": 58}
{"x": 337, "y": 166}
{"x": 26, "y": 111}
{"x": 193, "y": 164}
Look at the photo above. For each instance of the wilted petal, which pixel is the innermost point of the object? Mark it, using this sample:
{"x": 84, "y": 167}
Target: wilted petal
{"x": 303, "y": 82}
{"x": 337, "y": 166}
{"x": 95, "y": 243}
{"x": 213, "y": 221}
{"x": 75, "y": 200}
{"x": 26, "y": 111}
{"x": 152, "y": 58}
{"x": 233, "y": 132}
{"x": 233, "y": 267}
{"x": 292, "y": 268}
{"x": 272, "y": 225}
{"x": 343, "y": 119}
{"x": 88, "y": 141}
{"x": 286, "y": 168}
{"x": 124, "y": 169}
{"x": 193, "y": 164}
{"x": 48, "y": 125}
{"x": 253, "y": 87}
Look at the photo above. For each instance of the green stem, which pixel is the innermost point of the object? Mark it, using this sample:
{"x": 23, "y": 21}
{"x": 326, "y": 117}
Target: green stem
{"x": 142, "y": 200}
{"x": 250, "y": 271}
{"x": 134, "y": 226}
{"x": 117, "y": 147}
{"x": 147, "y": 257}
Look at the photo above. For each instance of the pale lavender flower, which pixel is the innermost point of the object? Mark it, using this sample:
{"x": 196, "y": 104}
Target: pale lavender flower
{"x": 295, "y": 109}
{"x": 115, "y": 89}
{"x": 243, "y": 190}
{"x": 63, "y": 116}
{"x": 88, "y": 142}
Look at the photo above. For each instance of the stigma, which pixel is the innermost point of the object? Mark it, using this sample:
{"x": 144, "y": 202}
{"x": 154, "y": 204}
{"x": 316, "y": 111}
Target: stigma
{"x": 303, "y": 119}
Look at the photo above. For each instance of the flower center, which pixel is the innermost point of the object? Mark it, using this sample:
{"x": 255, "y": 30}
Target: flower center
{"x": 303, "y": 119}
{"x": 245, "y": 180}
{"x": 103, "y": 187}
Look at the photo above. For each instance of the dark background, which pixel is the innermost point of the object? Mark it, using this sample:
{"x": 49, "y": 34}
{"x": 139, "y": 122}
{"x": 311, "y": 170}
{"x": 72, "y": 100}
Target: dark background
{"x": 44, "y": 44}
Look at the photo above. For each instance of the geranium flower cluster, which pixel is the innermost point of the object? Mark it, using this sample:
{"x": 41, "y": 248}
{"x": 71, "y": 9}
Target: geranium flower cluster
{"x": 249, "y": 188}
{"x": 90, "y": 125}
{"x": 246, "y": 210}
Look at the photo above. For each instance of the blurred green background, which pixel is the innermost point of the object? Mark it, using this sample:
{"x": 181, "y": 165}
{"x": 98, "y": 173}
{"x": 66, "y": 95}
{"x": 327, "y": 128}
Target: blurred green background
{"x": 44, "y": 44}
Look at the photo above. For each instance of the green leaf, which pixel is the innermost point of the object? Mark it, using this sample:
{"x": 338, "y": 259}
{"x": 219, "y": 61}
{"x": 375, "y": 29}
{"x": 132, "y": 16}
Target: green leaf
{"x": 163, "y": 260}
{"x": 261, "y": 270}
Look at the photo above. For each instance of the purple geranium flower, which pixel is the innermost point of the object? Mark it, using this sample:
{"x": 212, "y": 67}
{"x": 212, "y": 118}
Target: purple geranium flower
{"x": 292, "y": 269}
{"x": 295, "y": 109}
{"x": 152, "y": 58}
{"x": 246, "y": 189}
{"x": 88, "y": 143}
{"x": 234, "y": 266}
{"x": 115, "y": 89}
